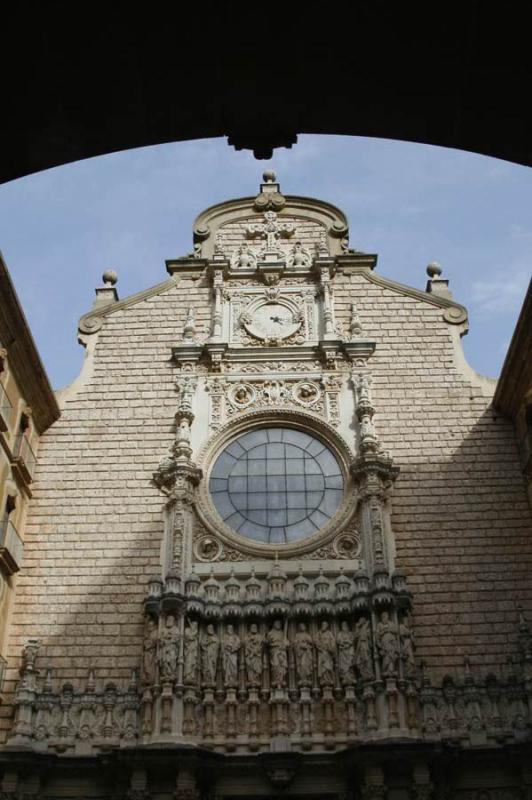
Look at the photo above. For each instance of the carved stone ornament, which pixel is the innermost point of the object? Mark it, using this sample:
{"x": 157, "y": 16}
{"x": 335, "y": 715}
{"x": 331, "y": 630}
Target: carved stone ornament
{"x": 208, "y": 548}
{"x": 347, "y": 544}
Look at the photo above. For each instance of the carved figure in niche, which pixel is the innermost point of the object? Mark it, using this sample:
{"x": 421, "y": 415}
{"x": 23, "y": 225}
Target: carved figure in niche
{"x": 253, "y": 645}
{"x": 346, "y": 654}
{"x": 209, "y": 647}
{"x": 149, "y": 652}
{"x": 168, "y": 649}
{"x": 363, "y": 659}
{"x": 387, "y": 644}
{"x": 191, "y": 656}
{"x": 278, "y": 646}
{"x": 299, "y": 257}
{"x": 244, "y": 258}
{"x": 230, "y": 649}
{"x": 304, "y": 653}
{"x": 326, "y": 652}
{"x": 406, "y": 639}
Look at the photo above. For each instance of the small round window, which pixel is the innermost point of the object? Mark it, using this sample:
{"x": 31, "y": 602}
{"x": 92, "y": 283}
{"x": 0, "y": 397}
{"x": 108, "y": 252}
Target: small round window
{"x": 276, "y": 485}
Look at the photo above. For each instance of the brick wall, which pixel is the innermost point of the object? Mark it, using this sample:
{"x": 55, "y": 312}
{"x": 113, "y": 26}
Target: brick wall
{"x": 460, "y": 515}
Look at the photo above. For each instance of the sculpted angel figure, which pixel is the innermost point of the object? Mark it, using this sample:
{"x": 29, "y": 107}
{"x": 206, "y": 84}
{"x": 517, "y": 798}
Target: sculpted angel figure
{"x": 149, "y": 652}
{"x": 363, "y": 659}
{"x": 209, "y": 648}
{"x": 326, "y": 653}
{"x": 278, "y": 647}
{"x": 230, "y": 649}
{"x": 346, "y": 654}
{"x": 304, "y": 654}
{"x": 406, "y": 638}
{"x": 168, "y": 649}
{"x": 253, "y": 645}
{"x": 191, "y": 656}
{"x": 387, "y": 644}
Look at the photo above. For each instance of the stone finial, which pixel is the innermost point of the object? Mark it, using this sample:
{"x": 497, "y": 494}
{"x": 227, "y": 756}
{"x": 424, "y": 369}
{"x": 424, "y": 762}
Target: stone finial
{"x": 109, "y": 277}
{"x": 107, "y": 293}
{"x": 436, "y": 284}
{"x": 434, "y": 269}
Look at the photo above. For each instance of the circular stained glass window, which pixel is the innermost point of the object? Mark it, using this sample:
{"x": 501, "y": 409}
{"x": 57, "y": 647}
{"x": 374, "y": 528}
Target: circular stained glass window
{"x": 276, "y": 485}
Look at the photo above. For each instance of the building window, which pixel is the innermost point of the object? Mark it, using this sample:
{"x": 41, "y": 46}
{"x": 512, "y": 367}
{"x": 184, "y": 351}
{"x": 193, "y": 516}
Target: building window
{"x": 276, "y": 485}
{"x": 23, "y": 450}
{"x": 11, "y": 545}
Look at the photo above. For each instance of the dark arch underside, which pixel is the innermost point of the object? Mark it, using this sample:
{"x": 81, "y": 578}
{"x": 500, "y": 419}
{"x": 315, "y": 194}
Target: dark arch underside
{"x": 79, "y": 82}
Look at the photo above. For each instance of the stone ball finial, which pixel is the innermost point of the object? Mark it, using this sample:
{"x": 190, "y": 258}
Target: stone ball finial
{"x": 109, "y": 277}
{"x": 269, "y": 176}
{"x": 434, "y": 269}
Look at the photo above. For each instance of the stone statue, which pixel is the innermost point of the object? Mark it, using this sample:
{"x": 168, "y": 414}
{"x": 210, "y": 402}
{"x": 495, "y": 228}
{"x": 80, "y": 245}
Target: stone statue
{"x": 149, "y": 652}
{"x": 244, "y": 258}
{"x": 363, "y": 659}
{"x": 304, "y": 653}
{"x": 168, "y": 649}
{"x": 406, "y": 639}
{"x": 209, "y": 647}
{"x": 278, "y": 646}
{"x": 253, "y": 652}
{"x": 230, "y": 649}
{"x": 346, "y": 654}
{"x": 326, "y": 652}
{"x": 191, "y": 656}
{"x": 387, "y": 644}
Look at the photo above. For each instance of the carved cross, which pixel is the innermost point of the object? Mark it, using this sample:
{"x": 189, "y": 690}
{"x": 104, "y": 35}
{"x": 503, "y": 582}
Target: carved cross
{"x": 271, "y": 229}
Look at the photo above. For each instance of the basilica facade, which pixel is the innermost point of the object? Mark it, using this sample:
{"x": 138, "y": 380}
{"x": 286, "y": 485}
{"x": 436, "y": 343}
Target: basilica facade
{"x": 279, "y": 540}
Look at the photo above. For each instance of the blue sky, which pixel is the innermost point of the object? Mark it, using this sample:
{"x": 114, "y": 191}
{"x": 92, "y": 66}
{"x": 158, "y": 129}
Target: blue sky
{"x": 409, "y": 203}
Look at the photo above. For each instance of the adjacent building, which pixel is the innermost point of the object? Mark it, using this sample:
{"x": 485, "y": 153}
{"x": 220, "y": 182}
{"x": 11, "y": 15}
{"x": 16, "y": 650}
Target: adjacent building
{"x": 279, "y": 540}
{"x": 27, "y": 408}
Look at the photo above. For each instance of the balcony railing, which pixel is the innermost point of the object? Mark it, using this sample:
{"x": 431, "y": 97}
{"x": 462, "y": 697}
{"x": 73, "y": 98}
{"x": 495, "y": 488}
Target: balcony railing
{"x": 25, "y": 455}
{"x": 6, "y": 409}
{"x": 11, "y": 546}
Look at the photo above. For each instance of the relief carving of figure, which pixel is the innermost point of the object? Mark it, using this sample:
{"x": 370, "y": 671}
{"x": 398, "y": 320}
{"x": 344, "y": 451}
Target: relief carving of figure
{"x": 304, "y": 653}
{"x": 326, "y": 649}
{"x": 168, "y": 649}
{"x": 278, "y": 646}
{"x": 209, "y": 647}
{"x": 387, "y": 644}
{"x": 253, "y": 645}
{"x": 230, "y": 649}
{"x": 363, "y": 659}
{"x": 346, "y": 654}
{"x": 191, "y": 657}
{"x": 406, "y": 638}
{"x": 244, "y": 258}
{"x": 149, "y": 652}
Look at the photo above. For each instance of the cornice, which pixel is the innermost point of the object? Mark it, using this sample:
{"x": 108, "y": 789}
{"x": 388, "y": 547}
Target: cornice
{"x": 23, "y": 356}
{"x": 516, "y": 374}
{"x": 92, "y": 320}
{"x": 454, "y": 313}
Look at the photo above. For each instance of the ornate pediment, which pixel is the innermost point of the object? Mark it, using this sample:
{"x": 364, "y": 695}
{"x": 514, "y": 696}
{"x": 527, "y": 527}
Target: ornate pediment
{"x": 268, "y": 226}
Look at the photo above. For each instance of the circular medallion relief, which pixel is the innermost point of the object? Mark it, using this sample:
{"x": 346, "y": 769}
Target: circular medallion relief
{"x": 276, "y": 485}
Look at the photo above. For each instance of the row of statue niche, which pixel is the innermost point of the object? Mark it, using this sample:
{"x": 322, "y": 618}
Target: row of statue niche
{"x": 347, "y": 653}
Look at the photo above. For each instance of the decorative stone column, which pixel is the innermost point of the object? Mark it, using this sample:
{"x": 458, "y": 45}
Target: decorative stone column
{"x": 374, "y": 474}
